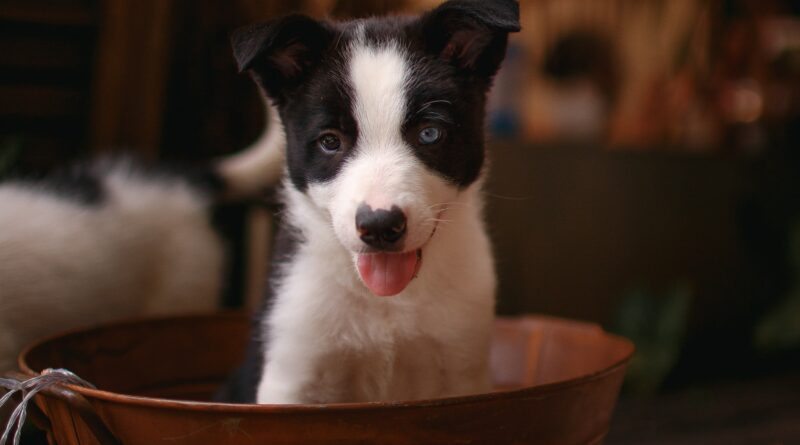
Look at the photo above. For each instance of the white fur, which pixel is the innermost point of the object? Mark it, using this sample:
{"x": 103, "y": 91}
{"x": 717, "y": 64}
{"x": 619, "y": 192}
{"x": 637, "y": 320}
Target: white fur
{"x": 330, "y": 339}
{"x": 148, "y": 249}
{"x": 384, "y": 171}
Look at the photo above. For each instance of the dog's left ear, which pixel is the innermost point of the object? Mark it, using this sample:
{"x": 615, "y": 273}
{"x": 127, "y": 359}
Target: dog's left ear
{"x": 471, "y": 34}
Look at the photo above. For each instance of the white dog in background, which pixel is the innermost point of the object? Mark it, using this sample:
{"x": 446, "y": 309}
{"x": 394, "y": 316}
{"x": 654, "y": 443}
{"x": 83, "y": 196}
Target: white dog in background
{"x": 106, "y": 242}
{"x": 114, "y": 239}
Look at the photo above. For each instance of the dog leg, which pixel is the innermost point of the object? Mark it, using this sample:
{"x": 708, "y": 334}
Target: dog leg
{"x": 311, "y": 376}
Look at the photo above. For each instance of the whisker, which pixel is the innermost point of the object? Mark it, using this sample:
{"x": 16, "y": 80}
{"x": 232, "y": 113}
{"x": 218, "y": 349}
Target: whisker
{"x": 448, "y": 204}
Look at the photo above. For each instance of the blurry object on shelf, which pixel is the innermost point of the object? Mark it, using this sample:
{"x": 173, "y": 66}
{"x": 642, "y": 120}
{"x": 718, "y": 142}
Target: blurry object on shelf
{"x": 697, "y": 75}
{"x": 741, "y": 106}
{"x": 505, "y": 101}
{"x": 656, "y": 323}
{"x": 581, "y": 65}
{"x": 779, "y": 330}
{"x": 742, "y": 101}
{"x": 782, "y": 91}
{"x": 627, "y": 54}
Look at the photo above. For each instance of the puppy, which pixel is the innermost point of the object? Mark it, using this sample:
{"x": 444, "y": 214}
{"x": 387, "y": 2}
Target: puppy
{"x": 383, "y": 284}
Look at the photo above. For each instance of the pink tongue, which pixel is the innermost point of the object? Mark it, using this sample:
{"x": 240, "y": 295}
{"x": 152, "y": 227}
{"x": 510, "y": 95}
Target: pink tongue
{"x": 387, "y": 274}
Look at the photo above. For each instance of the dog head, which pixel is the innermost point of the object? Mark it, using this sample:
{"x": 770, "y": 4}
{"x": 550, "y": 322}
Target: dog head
{"x": 384, "y": 119}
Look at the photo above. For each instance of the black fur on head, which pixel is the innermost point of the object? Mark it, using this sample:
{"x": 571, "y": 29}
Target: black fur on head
{"x": 471, "y": 34}
{"x": 453, "y": 53}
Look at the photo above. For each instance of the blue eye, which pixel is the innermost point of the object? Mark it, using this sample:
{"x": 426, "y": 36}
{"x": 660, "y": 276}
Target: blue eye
{"x": 429, "y": 135}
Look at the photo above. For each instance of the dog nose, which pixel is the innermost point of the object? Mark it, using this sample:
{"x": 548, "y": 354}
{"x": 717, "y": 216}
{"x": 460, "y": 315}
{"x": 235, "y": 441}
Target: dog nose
{"x": 380, "y": 228}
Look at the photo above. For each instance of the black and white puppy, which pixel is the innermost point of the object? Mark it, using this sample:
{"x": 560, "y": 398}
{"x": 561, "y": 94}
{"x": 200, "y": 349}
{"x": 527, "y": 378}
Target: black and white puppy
{"x": 383, "y": 120}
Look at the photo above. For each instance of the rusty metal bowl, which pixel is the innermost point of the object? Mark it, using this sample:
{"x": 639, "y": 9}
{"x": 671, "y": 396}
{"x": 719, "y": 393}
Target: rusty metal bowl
{"x": 557, "y": 383}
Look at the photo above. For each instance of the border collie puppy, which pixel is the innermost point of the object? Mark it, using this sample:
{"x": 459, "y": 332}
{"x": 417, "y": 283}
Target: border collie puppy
{"x": 384, "y": 281}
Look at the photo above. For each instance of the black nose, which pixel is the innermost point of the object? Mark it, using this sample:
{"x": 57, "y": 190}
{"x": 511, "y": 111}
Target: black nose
{"x": 380, "y": 228}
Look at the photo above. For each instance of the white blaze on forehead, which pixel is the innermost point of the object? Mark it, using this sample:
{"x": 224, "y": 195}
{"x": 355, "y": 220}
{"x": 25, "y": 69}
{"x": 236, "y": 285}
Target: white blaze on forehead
{"x": 378, "y": 75}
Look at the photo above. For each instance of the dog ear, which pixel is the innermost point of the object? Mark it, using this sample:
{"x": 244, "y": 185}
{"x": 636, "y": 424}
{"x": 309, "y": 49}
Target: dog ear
{"x": 281, "y": 52}
{"x": 471, "y": 34}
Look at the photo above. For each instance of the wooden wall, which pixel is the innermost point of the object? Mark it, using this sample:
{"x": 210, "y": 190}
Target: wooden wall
{"x": 577, "y": 229}
{"x": 46, "y": 60}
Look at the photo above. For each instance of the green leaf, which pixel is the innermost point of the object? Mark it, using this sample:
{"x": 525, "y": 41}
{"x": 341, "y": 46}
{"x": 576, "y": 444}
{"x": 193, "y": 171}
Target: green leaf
{"x": 656, "y": 323}
{"x": 779, "y": 329}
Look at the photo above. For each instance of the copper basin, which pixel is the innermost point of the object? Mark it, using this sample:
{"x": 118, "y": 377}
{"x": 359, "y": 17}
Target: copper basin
{"x": 557, "y": 383}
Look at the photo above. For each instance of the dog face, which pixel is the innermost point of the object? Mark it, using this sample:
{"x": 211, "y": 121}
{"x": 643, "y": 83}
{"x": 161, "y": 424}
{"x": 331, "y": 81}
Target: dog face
{"x": 383, "y": 119}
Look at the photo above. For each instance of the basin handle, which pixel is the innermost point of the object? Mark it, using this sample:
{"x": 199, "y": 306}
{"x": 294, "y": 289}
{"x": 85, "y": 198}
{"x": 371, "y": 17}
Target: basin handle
{"x": 76, "y": 402}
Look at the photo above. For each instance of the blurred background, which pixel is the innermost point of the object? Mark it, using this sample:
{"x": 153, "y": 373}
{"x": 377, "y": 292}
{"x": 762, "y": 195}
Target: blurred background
{"x": 645, "y": 170}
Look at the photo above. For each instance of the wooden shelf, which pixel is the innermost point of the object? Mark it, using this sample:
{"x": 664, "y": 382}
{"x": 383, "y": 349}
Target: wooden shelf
{"x": 47, "y": 14}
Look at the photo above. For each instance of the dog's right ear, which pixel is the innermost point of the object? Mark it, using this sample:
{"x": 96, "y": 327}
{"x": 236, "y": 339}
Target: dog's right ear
{"x": 281, "y": 52}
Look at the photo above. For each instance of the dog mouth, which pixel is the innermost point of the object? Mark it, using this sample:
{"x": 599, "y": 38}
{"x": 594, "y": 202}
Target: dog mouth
{"x": 388, "y": 273}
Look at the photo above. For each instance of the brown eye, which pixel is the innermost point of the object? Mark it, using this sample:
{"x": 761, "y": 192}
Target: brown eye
{"x": 329, "y": 143}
